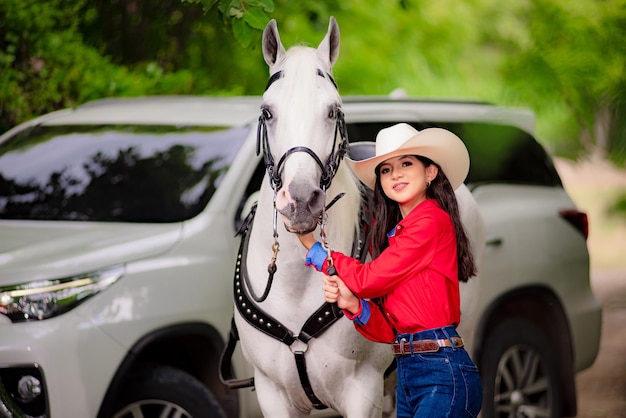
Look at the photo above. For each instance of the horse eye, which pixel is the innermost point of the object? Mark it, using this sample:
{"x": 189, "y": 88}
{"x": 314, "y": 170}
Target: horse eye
{"x": 266, "y": 113}
{"x": 331, "y": 114}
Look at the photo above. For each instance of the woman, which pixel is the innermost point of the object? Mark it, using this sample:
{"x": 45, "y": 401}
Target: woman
{"x": 408, "y": 295}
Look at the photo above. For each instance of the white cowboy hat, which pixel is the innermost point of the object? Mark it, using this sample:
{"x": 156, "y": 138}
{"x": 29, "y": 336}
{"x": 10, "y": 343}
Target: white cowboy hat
{"x": 437, "y": 144}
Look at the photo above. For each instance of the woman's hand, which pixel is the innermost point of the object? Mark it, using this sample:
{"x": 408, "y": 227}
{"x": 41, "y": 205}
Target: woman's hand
{"x": 335, "y": 290}
{"x": 308, "y": 240}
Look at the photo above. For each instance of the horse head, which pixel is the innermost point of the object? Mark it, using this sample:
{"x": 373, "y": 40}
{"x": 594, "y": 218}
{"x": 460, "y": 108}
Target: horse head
{"x": 301, "y": 121}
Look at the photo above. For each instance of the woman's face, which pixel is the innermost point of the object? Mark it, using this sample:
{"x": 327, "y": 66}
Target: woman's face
{"x": 404, "y": 179}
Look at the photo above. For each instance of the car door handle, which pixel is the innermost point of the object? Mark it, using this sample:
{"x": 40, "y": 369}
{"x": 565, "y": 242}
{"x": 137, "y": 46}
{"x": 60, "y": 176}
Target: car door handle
{"x": 494, "y": 242}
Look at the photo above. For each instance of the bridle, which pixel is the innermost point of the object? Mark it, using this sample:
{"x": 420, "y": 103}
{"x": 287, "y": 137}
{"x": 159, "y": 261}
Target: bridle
{"x": 274, "y": 171}
{"x": 329, "y": 168}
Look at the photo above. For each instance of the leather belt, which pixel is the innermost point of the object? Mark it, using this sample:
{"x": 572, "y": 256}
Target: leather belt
{"x": 425, "y": 346}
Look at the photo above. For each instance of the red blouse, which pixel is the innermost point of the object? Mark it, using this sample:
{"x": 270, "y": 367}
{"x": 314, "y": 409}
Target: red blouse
{"x": 418, "y": 273}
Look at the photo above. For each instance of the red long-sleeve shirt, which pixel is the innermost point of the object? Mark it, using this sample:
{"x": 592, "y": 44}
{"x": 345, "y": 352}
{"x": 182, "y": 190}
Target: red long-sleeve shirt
{"x": 418, "y": 274}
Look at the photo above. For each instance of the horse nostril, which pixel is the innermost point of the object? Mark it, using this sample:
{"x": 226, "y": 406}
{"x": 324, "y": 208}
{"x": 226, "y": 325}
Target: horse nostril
{"x": 284, "y": 201}
{"x": 316, "y": 202}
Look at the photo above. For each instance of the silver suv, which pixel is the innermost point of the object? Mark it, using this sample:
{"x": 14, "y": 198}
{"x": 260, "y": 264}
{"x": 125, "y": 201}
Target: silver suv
{"x": 117, "y": 254}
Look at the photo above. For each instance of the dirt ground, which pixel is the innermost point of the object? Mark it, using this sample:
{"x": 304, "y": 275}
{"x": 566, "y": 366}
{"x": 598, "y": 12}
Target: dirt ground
{"x": 593, "y": 185}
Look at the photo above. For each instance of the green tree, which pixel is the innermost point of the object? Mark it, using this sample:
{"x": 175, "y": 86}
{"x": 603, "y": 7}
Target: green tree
{"x": 45, "y": 64}
{"x": 59, "y": 53}
{"x": 571, "y": 63}
{"x": 563, "y": 59}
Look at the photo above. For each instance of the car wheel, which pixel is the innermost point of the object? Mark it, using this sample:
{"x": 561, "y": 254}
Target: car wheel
{"x": 167, "y": 392}
{"x": 519, "y": 373}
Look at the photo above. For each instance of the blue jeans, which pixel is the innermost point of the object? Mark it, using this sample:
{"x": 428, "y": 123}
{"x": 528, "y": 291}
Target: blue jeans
{"x": 435, "y": 385}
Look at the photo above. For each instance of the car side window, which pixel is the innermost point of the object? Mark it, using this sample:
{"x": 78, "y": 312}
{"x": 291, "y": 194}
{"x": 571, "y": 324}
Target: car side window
{"x": 505, "y": 154}
{"x": 114, "y": 173}
{"x": 499, "y": 153}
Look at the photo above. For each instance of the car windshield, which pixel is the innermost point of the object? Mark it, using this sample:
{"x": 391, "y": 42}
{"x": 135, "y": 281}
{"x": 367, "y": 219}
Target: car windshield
{"x": 114, "y": 173}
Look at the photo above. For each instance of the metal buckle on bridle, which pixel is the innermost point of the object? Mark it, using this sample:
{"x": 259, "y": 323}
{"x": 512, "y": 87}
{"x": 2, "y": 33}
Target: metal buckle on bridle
{"x": 271, "y": 268}
{"x": 298, "y": 346}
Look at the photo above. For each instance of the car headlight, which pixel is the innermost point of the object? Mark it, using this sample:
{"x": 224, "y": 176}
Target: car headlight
{"x": 43, "y": 299}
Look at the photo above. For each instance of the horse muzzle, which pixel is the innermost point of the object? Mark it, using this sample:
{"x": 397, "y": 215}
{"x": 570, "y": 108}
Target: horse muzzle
{"x": 298, "y": 220}
{"x": 301, "y": 206}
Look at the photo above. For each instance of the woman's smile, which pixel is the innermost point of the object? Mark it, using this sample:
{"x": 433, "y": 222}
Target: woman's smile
{"x": 399, "y": 186}
{"x": 404, "y": 179}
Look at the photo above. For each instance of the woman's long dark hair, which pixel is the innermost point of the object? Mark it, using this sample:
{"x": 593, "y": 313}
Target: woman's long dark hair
{"x": 387, "y": 214}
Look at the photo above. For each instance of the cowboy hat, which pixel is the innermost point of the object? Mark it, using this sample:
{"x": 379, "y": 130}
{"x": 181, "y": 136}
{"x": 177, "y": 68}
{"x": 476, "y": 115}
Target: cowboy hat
{"x": 440, "y": 145}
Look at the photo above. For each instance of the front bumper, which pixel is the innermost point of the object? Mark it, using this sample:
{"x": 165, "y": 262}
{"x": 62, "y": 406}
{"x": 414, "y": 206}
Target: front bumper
{"x": 60, "y": 367}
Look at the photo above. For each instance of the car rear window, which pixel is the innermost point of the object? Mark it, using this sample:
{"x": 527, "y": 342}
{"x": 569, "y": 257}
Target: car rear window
{"x": 499, "y": 153}
{"x": 114, "y": 173}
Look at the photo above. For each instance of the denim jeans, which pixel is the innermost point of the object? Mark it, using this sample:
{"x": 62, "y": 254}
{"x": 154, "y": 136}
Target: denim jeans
{"x": 435, "y": 385}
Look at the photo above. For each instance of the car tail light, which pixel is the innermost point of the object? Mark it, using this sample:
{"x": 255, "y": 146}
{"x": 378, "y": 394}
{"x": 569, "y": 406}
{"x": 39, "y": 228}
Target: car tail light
{"x": 578, "y": 220}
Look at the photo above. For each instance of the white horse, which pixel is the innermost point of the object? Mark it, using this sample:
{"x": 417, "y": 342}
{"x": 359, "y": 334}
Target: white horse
{"x": 302, "y": 360}
{"x": 298, "y": 366}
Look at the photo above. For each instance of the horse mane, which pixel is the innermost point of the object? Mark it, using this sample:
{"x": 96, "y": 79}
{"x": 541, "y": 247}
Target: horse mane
{"x": 344, "y": 220}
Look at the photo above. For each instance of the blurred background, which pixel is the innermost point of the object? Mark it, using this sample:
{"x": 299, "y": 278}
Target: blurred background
{"x": 565, "y": 60}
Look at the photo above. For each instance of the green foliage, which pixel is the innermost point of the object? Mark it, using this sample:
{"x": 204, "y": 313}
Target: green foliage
{"x": 573, "y": 58}
{"x": 565, "y": 60}
{"x": 243, "y": 16}
{"x": 58, "y": 53}
{"x": 46, "y": 66}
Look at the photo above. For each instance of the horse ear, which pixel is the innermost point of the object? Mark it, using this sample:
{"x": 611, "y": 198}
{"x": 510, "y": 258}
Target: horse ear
{"x": 273, "y": 49}
{"x": 328, "y": 49}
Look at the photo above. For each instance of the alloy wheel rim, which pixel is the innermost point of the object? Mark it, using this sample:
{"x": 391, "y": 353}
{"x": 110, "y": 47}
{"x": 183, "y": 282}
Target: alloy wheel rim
{"x": 522, "y": 387}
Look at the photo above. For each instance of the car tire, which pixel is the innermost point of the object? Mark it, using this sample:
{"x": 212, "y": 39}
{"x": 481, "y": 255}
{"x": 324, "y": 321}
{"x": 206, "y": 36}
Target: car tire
{"x": 520, "y": 373}
{"x": 167, "y": 391}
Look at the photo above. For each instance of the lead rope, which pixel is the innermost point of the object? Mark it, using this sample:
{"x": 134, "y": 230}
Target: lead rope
{"x": 331, "y": 268}
{"x": 271, "y": 267}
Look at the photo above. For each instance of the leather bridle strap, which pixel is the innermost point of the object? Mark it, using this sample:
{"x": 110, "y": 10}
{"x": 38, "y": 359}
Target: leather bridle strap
{"x": 305, "y": 382}
{"x": 328, "y": 170}
{"x": 334, "y": 159}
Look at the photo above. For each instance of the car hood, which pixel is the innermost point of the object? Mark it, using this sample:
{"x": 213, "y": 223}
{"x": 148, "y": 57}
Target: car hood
{"x": 35, "y": 250}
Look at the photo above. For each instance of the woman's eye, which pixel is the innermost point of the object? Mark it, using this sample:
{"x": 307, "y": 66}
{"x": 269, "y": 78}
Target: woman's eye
{"x": 384, "y": 170}
{"x": 266, "y": 113}
{"x": 407, "y": 163}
